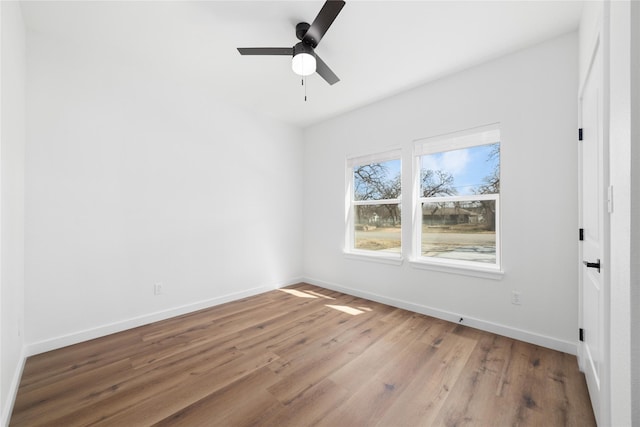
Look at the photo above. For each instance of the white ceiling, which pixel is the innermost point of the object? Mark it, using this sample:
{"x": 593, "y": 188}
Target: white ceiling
{"x": 377, "y": 48}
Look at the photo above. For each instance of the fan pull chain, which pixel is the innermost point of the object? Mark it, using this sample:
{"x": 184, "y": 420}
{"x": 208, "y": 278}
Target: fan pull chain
{"x": 303, "y": 81}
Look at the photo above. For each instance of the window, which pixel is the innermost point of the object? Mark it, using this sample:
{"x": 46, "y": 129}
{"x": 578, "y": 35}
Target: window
{"x": 373, "y": 208}
{"x": 457, "y": 181}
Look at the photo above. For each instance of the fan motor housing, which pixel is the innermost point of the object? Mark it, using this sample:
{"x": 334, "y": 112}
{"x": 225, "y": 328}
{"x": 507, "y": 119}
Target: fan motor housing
{"x": 302, "y": 47}
{"x": 301, "y": 29}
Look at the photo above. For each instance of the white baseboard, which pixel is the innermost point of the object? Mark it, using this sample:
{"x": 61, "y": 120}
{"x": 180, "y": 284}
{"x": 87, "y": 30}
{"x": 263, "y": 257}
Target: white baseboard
{"x": 134, "y": 322}
{"x": 7, "y": 406}
{"x": 496, "y": 328}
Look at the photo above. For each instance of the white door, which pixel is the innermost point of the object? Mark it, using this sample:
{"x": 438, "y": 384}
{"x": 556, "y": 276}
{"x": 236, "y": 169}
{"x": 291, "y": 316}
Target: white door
{"x": 594, "y": 213}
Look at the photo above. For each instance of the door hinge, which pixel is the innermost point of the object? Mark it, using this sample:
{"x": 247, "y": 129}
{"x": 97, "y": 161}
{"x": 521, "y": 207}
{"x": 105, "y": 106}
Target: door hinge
{"x": 581, "y": 234}
{"x": 580, "y": 134}
{"x": 581, "y": 334}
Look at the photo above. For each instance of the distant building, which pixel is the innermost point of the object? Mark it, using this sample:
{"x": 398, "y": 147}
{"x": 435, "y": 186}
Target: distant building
{"x": 445, "y": 215}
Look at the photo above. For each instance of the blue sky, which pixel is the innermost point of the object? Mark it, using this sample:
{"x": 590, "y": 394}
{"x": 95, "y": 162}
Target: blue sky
{"x": 468, "y": 166}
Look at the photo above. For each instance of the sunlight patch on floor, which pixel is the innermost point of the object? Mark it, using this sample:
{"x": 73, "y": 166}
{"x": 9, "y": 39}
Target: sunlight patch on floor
{"x": 297, "y": 293}
{"x": 318, "y": 294}
{"x": 345, "y": 309}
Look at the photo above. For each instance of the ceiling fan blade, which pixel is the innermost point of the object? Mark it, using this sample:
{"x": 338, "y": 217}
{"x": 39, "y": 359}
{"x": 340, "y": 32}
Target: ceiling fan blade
{"x": 323, "y": 21}
{"x": 325, "y": 72}
{"x": 266, "y": 51}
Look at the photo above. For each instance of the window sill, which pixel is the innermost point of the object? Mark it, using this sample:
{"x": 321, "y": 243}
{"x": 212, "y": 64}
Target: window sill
{"x": 375, "y": 257}
{"x": 466, "y": 270}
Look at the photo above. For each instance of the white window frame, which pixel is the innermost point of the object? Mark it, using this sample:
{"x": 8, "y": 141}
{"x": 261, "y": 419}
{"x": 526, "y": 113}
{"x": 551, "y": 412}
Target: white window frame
{"x": 484, "y": 135}
{"x": 350, "y": 250}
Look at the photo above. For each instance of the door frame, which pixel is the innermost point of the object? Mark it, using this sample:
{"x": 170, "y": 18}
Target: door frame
{"x": 603, "y": 412}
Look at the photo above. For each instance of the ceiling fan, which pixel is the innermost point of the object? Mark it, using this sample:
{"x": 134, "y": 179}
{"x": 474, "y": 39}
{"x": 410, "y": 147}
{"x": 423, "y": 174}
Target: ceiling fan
{"x": 305, "y": 61}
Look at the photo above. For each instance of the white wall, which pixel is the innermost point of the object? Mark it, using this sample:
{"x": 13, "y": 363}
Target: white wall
{"x": 533, "y": 94}
{"x": 12, "y": 152}
{"x": 135, "y": 177}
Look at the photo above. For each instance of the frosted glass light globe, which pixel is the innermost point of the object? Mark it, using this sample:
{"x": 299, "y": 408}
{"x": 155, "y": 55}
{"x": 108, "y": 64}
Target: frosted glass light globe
{"x": 304, "y": 64}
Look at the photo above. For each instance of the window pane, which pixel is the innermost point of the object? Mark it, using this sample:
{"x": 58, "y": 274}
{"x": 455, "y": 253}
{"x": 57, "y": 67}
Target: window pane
{"x": 377, "y": 227}
{"x": 377, "y": 181}
{"x": 473, "y": 170}
{"x": 460, "y": 230}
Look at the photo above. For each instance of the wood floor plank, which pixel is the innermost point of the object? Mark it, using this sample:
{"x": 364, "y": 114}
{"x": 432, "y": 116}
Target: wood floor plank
{"x": 373, "y": 396}
{"x": 475, "y": 398}
{"x": 302, "y": 356}
{"x": 37, "y": 403}
{"x": 327, "y": 357}
{"x": 182, "y": 392}
{"x": 139, "y": 386}
{"x": 354, "y": 374}
{"x": 420, "y": 402}
{"x": 219, "y": 407}
{"x": 311, "y": 407}
{"x": 55, "y": 366}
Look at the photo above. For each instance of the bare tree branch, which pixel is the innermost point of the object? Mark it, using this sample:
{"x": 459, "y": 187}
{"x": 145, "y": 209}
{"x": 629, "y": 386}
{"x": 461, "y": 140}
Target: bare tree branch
{"x": 437, "y": 183}
{"x": 372, "y": 182}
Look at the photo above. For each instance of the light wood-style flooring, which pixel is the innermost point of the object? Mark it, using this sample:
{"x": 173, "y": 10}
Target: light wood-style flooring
{"x": 303, "y": 356}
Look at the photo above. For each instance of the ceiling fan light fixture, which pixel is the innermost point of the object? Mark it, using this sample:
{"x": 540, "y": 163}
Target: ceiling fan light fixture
{"x": 304, "y": 64}
{"x": 304, "y": 60}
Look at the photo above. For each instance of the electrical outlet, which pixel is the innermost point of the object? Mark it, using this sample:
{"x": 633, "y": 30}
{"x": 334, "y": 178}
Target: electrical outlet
{"x": 516, "y": 298}
{"x": 157, "y": 288}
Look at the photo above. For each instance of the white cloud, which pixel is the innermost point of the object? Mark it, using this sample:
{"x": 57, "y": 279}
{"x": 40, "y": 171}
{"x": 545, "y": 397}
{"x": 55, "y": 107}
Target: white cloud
{"x": 430, "y": 162}
{"x": 453, "y": 162}
{"x": 456, "y": 161}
